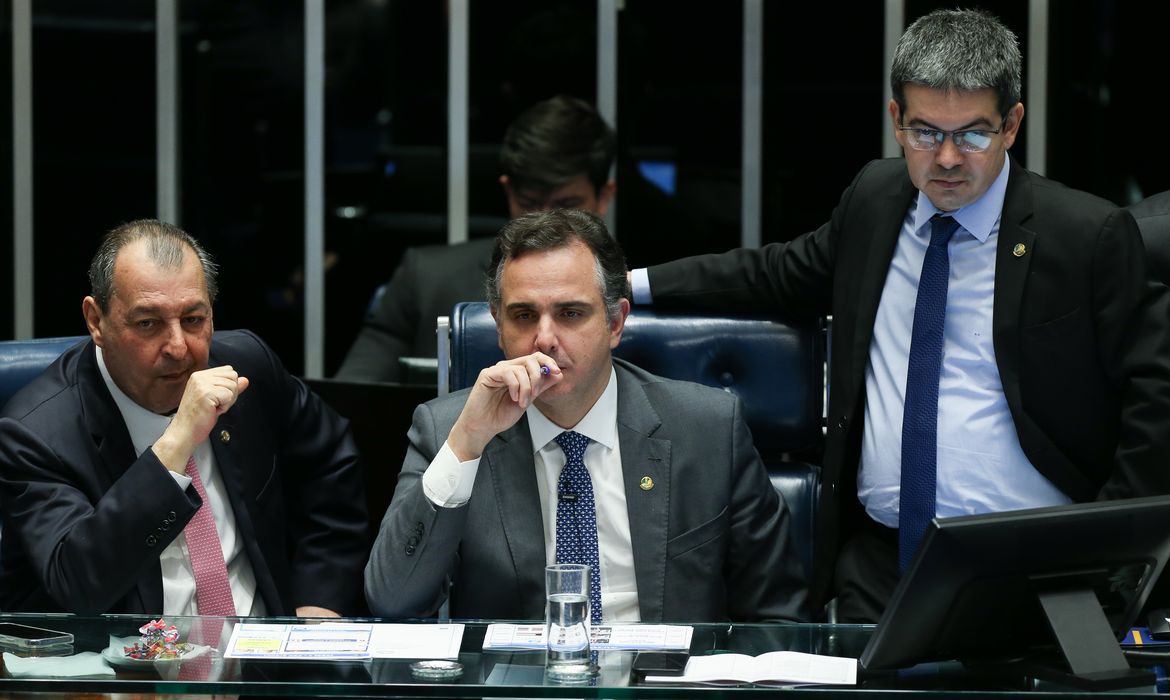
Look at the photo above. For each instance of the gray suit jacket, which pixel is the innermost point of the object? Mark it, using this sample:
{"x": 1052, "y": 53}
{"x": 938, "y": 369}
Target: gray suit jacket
{"x": 710, "y": 539}
{"x": 1153, "y": 219}
{"x": 427, "y": 283}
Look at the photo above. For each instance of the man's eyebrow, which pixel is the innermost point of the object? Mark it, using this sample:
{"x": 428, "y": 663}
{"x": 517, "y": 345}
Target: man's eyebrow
{"x": 152, "y": 310}
{"x": 973, "y": 125}
{"x": 571, "y": 304}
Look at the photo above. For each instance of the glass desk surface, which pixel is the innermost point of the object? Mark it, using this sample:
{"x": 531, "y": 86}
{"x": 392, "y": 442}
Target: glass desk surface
{"x": 512, "y": 674}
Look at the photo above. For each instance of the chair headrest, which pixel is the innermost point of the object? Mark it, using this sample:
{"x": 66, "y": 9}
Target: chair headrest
{"x": 23, "y": 360}
{"x": 776, "y": 367}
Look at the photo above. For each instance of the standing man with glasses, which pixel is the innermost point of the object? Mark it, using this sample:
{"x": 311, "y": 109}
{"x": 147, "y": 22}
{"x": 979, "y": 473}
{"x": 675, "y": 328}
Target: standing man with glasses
{"x": 996, "y": 343}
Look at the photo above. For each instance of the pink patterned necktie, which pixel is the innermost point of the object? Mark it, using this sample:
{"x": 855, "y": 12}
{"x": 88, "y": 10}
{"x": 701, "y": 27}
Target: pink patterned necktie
{"x": 212, "y": 592}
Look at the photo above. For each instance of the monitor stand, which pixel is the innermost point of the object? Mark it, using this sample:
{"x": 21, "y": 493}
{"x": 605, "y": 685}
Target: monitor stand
{"x": 1095, "y": 659}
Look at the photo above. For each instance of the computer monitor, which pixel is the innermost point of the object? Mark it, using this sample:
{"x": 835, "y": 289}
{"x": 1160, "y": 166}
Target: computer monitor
{"x": 1040, "y": 586}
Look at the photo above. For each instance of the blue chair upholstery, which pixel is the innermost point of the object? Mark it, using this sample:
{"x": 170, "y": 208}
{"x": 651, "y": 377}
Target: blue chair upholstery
{"x": 22, "y": 360}
{"x": 776, "y": 368}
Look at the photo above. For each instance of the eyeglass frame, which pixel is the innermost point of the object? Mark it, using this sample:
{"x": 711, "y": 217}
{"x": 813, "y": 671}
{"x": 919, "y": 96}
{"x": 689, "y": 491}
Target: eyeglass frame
{"x": 955, "y": 137}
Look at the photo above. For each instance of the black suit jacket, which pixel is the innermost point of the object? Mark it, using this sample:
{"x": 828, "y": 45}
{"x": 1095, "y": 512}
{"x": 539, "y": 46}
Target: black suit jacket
{"x": 1153, "y": 218}
{"x": 85, "y": 520}
{"x": 1082, "y": 339}
{"x": 427, "y": 284}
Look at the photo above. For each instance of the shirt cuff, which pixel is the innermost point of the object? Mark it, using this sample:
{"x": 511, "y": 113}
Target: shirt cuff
{"x": 640, "y": 286}
{"x": 181, "y": 479}
{"x": 447, "y": 482}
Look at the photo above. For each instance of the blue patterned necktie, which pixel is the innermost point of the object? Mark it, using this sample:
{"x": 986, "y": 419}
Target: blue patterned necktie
{"x": 920, "y": 413}
{"x": 577, "y": 517}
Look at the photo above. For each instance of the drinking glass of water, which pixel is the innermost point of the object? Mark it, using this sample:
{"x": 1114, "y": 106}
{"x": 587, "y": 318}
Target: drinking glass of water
{"x": 567, "y": 622}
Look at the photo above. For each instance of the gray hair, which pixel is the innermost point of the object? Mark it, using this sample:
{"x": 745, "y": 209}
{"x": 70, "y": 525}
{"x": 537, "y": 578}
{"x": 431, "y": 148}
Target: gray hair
{"x": 166, "y": 246}
{"x": 958, "y": 50}
{"x": 547, "y": 230}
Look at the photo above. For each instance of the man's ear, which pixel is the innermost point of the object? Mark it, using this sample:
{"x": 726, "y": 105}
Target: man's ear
{"x": 1011, "y": 124}
{"x": 605, "y": 197}
{"x": 896, "y": 120}
{"x": 93, "y": 319}
{"x": 496, "y": 318}
{"x": 618, "y": 324}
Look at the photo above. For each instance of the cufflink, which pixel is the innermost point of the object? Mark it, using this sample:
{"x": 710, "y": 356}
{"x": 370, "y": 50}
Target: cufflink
{"x": 646, "y": 483}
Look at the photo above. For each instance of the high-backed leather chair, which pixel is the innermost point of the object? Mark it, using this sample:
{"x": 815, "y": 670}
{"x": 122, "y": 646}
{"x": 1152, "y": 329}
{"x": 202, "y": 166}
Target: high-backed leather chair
{"x": 775, "y": 367}
{"x": 22, "y": 360}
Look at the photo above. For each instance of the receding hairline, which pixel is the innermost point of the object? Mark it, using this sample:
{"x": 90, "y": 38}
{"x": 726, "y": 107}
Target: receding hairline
{"x": 142, "y": 246}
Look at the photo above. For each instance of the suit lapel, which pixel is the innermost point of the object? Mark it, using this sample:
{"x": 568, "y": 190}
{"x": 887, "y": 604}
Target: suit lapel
{"x": 230, "y": 441}
{"x": 645, "y": 460}
{"x": 512, "y": 468}
{"x": 875, "y": 252}
{"x": 1011, "y": 274}
{"x": 114, "y": 447}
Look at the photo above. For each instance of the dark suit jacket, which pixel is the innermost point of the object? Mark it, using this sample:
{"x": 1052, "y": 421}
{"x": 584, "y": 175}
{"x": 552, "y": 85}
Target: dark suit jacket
{"x": 710, "y": 539}
{"x": 1153, "y": 218}
{"x": 427, "y": 284}
{"x": 85, "y": 521}
{"x": 1082, "y": 340}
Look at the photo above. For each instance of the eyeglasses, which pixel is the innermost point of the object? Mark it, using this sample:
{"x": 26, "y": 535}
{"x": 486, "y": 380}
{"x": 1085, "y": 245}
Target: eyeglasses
{"x": 967, "y": 141}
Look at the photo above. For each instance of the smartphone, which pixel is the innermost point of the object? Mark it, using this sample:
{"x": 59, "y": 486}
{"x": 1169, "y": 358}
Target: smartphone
{"x": 660, "y": 663}
{"x": 27, "y": 637}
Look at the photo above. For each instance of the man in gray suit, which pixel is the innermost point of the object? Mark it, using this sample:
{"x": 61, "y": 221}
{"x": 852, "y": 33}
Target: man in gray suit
{"x": 673, "y": 507}
{"x": 556, "y": 154}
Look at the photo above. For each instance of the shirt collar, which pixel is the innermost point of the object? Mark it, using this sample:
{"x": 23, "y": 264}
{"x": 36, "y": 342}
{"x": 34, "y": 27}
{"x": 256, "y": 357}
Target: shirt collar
{"x": 145, "y": 427}
{"x": 599, "y": 424}
{"x": 978, "y": 217}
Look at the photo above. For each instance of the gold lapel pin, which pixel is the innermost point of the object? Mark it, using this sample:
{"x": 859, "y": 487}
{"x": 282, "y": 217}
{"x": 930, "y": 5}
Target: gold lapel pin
{"x": 225, "y": 437}
{"x": 646, "y": 483}
{"x": 1019, "y": 250}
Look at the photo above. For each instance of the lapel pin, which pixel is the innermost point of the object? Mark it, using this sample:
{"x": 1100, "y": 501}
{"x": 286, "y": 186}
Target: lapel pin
{"x": 225, "y": 437}
{"x": 1019, "y": 250}
{"x": 646, "y": 483}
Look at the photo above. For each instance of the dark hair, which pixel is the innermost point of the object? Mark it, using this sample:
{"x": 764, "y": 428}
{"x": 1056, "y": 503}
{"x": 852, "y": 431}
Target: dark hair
{"x": 547, "y": 230}
{"x": 166, "y": 246}
{"x": 555, "y": 141}
{"x": 958, "y": 50}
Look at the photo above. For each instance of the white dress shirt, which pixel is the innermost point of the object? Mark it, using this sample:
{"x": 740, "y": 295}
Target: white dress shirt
{"x": 178, "y": 578}
{"x": 448, "y": 483}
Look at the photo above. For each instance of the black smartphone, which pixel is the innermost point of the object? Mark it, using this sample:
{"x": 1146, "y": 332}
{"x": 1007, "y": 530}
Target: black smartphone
{"x": 28, "y": 637}
{"x": 660, "y": 663}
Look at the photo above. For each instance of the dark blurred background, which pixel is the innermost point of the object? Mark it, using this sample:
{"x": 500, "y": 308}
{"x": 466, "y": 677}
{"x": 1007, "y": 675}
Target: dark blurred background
{"x": 679, "y": 129}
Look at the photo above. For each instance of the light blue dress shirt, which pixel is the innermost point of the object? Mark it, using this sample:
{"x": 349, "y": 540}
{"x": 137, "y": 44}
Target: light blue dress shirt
{"x": 981, "y": 466}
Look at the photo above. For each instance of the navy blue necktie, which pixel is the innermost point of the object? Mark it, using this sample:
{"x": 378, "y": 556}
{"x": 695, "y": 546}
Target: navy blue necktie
{"x": 577, "y": 517}
{"x": 920, "y": 413}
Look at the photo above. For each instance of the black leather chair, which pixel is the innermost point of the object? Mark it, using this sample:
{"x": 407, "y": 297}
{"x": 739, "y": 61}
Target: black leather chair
{"x": 775, "y": 367}
{"x": 22, "y": 360}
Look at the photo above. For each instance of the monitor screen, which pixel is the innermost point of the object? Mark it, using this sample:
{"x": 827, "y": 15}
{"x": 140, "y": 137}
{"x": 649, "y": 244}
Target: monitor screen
{"x": 1018, "y": 585}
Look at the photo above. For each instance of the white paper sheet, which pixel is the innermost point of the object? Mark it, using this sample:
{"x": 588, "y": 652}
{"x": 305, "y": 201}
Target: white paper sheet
{"x": 344, "y": 640}
{"x": 508, "y": 637}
